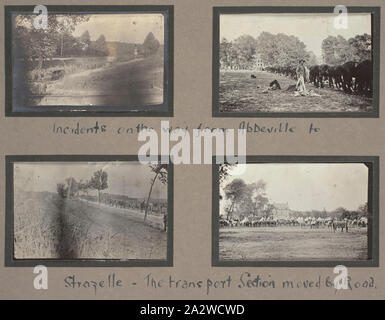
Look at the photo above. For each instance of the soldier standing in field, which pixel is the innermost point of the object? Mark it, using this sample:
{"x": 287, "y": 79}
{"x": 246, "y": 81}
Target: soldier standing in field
{"x": 165, "y": 220}
{"x": 301, "y": 76}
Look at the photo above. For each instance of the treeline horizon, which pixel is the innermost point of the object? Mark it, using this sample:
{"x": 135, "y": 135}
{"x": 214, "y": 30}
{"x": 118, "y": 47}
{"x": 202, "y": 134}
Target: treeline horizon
{"x": 58, "y": 40}
{"x": 117, "y": 195}
{"x": 281, "y": 50}
{"x": 251, "y": 200}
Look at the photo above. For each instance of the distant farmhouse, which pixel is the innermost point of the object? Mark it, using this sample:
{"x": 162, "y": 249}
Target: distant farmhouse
{"x": 281, "y": 210}
{"x": 258, "y": 64}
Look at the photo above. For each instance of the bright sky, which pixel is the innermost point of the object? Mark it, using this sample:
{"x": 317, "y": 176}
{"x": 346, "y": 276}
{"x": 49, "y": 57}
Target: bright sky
{"x": 308, "y": 186}
{"x": 131, "y": 179}
{"x": 311, "y": 28}
{"x": 129, "y": 28}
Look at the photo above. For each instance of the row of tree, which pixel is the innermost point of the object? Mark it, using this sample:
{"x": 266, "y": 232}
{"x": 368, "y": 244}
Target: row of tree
{"x": 57, "y": 39}
{"x": 281, "y": 50}
{"x": 339, "y": 213}
{"x": 272, "y": 49}
{"x": 99, "y": 181}
{"x": 72, "y": 188}
{"x": 43, "y": 43}
{"x": 246, "y": 200}
{"x": 337, "y": 50}
{"x": 70, "y": 46}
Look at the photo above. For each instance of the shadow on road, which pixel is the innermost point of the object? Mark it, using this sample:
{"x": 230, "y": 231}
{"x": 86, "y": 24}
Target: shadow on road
{"x": 66, "y": 250}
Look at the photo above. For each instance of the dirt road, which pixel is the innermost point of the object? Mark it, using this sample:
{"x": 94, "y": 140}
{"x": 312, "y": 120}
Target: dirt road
{"x": 132, "y": 84}
{"x": 142, "y": 240}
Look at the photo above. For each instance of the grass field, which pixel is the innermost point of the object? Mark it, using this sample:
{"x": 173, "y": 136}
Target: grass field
{"x": 47, "y": 226}
{"x": 238, "y": 92}
{"x": 292, "y": 243}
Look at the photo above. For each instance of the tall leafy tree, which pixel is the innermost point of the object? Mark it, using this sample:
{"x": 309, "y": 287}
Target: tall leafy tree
{"x": 85, "y": 41}
{"x": 42, "y": 44}
{"x": 281, "y": 50}
{"x": 361, "y": 47}
{"x": 225, "y": 48}
{"x": 150, "y": 45}
{"x": 161, "y": 174}
{"x": 100, "y": 46}
{"x": 245, "y": 46}
{"x": 235, "y": 191}
{"x": 328, "y": 50}
{"x": 72, "y": 187}
{"x": 61, "y": 190}
{"x": 99, "y": 181}
{"x": 338, "y": 50}
{"x": 224, "y": 171}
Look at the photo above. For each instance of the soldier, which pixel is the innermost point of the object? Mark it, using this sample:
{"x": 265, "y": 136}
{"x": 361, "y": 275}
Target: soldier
{"x": 301, "y": 76}
{"x": 165, "y": 221}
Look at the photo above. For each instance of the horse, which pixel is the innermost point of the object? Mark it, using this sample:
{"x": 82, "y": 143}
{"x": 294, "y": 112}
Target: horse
{"x": 340, "y": 224}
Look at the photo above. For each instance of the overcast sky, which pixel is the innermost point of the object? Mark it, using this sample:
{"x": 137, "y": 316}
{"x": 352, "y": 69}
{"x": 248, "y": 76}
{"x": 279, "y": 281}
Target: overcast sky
{"x": 131, "y": 179}
{"x": 129, "y": 28}
{"x": 308, "y": 186}
{"x": 311, "y": 28}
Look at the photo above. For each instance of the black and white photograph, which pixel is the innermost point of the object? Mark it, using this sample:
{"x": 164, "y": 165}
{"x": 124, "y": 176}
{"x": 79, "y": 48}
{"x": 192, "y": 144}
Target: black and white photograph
{"x": 270, "y": 63}
{"x": 294, "y": 212}
{"x": 103, "y": 210}
{"x": 104, "y": 61}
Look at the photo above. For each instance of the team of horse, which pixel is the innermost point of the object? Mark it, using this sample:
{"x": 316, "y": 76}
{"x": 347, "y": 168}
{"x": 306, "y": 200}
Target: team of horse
{"x": 135, "y": 204}
{"x": 350, "y": 77}
{"x": 308, "y": 222}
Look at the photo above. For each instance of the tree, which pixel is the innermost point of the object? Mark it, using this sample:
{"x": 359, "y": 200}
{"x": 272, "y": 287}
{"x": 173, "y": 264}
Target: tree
{"x": 72, "y": 187}
{"x": 100, "y": 46}
{"x": 34, "y": 44}
{"x": 161, "y": 173}
{"x": 312, "y": 60}
{"x": 277, "y": 50}
{"x": 234, "y": 191}
{"x": 224, "y": 171}
{"x": 85, "y": 41}
{"x": 363, "y": 210}
{"x": 85, "y": 37}
{"x": 84, "y": 186}
{"x": 281, "y": 50}
{"x": 225, "y": 54}
{"x": 61, "y": 190}
{"x": 41, "y": 44}
{"x": 340, "y": 212}
{"x": 259, "y": 198}
{"x": 99, "y": 181}
{"x": 150, "y": 45}
{"x": 361, "y": 47}
{"x": 245, "y": 46}
{"x": 336, "y": 50}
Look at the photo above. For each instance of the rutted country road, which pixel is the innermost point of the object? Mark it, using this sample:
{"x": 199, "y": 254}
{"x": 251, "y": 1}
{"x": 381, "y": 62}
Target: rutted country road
{"x": 135, "y": 237}
{"x": 134, "y": 216}
{"x": 116, "y": 219}
{"x": 135, "y": 83}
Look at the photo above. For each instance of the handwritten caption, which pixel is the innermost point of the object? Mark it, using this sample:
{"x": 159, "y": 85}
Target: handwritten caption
{"x": 281, "y": 128}
{"x": 244, "y": 281}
